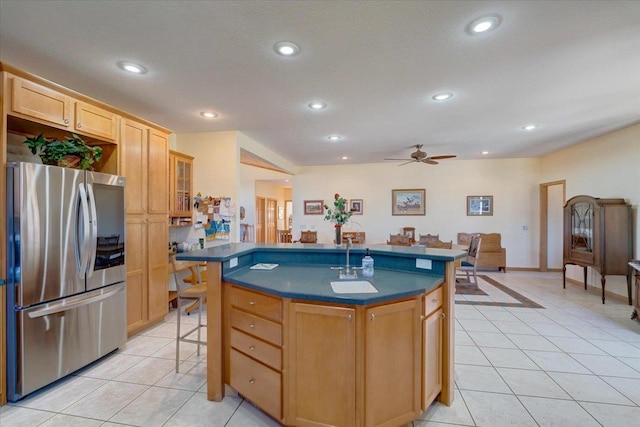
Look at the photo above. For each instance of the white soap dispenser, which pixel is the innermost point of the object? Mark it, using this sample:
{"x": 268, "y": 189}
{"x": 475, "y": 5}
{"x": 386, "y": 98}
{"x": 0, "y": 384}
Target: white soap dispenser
{"x": 367, "y": 265}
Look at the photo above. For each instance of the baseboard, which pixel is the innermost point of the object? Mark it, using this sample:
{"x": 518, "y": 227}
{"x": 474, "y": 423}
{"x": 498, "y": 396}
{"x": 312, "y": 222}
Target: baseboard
{"x": 522, "y": 268}
{"x": 598, "y": 291}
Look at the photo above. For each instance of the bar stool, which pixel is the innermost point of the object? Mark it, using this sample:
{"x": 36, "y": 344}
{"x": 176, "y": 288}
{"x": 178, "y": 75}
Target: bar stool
{"x": 195, "y": 293}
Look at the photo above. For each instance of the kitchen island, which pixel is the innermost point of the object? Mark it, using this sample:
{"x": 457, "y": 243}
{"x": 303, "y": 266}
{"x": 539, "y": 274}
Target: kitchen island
{"x": 308, "y": 354}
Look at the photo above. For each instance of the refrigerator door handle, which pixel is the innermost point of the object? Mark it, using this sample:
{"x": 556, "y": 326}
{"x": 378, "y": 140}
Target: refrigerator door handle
{"x": 74, "y": 302}
{"x": 93, "y": 231}
{"x": 82, "y": 246}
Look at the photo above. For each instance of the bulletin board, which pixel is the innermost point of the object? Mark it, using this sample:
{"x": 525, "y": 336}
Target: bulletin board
{"x": 216, "y": 215}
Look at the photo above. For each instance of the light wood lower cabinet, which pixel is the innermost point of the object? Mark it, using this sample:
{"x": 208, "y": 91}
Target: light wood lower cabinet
{"x": 309, "y": 364}
{"x": 392, "y": 364}
{"x": 322, "y": 368}
{"x": 158, "y": 291}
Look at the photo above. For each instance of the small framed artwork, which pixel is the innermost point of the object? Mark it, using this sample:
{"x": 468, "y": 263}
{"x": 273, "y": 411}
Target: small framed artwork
{"x": 356, "y": 206}
{"x": 280, "y": 212}
{"x": 479, "y": 205}
{"x": 313, "y": 207}
{"x": 408, "y": 202}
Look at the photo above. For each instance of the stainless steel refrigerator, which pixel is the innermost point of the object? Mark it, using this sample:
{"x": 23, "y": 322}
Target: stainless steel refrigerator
{"x": 66, "y": 295}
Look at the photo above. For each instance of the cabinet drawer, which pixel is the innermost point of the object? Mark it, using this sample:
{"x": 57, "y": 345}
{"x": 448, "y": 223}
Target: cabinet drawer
{"x": 259, "y": 350}
{"x": 256, "y": 326}
{"x": 257, "y": 383}
{"x": 95, "y": 121}
{"x": 432, "y": 301}
{"x": 259, "y": 304}
{"x": 40, "y": 103}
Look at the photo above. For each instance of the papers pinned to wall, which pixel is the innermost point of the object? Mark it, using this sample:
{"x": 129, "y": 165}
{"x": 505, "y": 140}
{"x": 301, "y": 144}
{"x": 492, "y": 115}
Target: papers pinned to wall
{"x": 216, "y": 214}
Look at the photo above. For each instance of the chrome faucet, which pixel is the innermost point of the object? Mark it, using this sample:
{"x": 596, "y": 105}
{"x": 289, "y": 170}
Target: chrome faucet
{"x": 347, "y": 272}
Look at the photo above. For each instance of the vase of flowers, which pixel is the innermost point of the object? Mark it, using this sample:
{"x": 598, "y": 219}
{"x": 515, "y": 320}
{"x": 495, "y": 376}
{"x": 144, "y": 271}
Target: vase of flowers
{"x": 339, "y": 214}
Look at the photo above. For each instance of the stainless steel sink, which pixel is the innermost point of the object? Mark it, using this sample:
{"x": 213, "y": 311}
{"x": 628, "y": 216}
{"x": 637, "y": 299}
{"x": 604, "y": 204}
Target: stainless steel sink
{"x": 353, "y": 287}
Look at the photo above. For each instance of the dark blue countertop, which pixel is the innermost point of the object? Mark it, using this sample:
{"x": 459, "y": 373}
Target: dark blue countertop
{"x": 312, "y": 282}
{"x": 304, "y": 273}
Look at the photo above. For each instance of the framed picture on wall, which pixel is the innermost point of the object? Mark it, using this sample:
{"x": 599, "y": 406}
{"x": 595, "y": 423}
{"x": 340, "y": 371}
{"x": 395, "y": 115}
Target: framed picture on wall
{"x": 357, "y": 206}
{"x": 313, "y": 207}
{"x": 280, "y": 212}
{"x": 479, "y": 205}
{"x": 408, "y": 202}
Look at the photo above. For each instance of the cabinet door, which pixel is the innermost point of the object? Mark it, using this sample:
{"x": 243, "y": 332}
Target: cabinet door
{"x": 158, "y": 167}
{"x": 432, "y": 358}
{"x": 136, "y": 262}
{"x": 392, "y": 367}
{"x": 40, "y": 103}
{"x": 322, "y": 365}
{"x": 158, "y": 290}
{"x": 173, "y": 199}
{"x": 95, "y": 121}
{"x": 134, "y": 165}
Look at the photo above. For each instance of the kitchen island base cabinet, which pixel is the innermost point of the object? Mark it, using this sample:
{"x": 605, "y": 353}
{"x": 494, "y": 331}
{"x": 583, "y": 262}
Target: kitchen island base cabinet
{"x": 432, "y": 359}
{"x": 345, "y": 358}
{"x": 323, "y": 359}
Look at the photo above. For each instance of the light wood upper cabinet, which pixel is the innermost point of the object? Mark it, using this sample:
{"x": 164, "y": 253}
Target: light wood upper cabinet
{"x": 158, "y": 164}
{"x": 134, "y": 165}
{"x": 40, "y": 103}
{"x": 180, "y": 184}
{"x": 95, "y": 121}
{"x": 50, "y": 107}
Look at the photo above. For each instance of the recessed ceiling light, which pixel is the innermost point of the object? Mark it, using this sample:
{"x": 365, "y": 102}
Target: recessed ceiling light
{"x": 334, "y": 138}
{"x": 345, "y": 158}
{"x": 442, "y": 96}
{"x": 484, "y": 24}
{"x": 530, "y": 127}
{"x": 484, "y": 153}
{"x": 317, "y": 105}
{"x": 286, "y": 49}
{"x": 131, "y": 67}
{"x": 208, "y": 114}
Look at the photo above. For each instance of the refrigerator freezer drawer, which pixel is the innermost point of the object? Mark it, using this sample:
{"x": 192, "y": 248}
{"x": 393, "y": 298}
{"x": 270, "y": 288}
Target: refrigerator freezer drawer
{"x": 56, "y": 339}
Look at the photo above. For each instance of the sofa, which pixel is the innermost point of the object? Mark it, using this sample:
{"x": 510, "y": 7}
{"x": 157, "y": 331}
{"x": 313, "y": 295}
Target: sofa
{"x": 491, "y": 254}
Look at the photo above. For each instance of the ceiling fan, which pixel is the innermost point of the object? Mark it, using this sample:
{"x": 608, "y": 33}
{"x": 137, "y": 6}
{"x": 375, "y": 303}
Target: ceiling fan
{"x": 421, "y": 157}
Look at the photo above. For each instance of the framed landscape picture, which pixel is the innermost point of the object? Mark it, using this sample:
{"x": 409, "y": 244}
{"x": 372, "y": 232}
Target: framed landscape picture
{"x": 479, "y": 205}
{"x": 408, "y": 202}
{"x": 313, "y": 207}
{"x": 356, "y": 206}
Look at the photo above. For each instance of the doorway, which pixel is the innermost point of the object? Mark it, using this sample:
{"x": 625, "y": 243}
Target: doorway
{"x": 552, "y": 200}
{"x": 266, "y": 220}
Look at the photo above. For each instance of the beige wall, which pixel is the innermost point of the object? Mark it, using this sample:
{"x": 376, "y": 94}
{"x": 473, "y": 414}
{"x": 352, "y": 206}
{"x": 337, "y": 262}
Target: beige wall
{"x": 513, "y": 184}
{"x": 215, "y": 165}
{"x": 608, "y": 166}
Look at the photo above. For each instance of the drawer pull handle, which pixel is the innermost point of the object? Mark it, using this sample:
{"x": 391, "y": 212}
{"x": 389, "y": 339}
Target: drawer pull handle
{"x": 252, "y": 325}
{"x": 252, "y": 381}
{"x": 252, "y": 303}
{"x": 373, "y": 316}
{"x": 66, "y": 121}
{"x": 435, "y": 300}
{"x": 442, "y": 315}
{"x": 251, "y": 348}
{"x": 349, "y": 317}
{"x": 79, "y": 125}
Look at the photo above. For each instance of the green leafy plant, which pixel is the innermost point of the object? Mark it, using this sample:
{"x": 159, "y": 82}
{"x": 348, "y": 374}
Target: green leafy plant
{"x": 72, "y": 151}
{"x": 339, "y": 214}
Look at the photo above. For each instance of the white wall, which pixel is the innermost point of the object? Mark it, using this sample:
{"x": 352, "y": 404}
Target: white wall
{"x": 513, "y": 184}
{"x": 608, "y": 166}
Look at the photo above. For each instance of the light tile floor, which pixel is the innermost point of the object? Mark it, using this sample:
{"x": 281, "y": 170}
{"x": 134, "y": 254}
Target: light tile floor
{"x": 574, "y": 363}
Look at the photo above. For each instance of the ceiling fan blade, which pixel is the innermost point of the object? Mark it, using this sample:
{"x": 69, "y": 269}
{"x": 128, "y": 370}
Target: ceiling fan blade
{"x": 399, "y": 159}
{"x": 429, "y": 161}
{"x": 450, "y": 156}
{"x": 406, "y": 163}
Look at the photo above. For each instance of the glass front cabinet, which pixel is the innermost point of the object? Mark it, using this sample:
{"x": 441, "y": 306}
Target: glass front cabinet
{"x": 180, "y": 188}
{"x": 598, "y": 234}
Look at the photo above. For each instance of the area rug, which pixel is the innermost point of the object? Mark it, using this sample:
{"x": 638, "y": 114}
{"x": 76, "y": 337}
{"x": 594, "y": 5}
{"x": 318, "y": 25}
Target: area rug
{"x": 478, "y": 294}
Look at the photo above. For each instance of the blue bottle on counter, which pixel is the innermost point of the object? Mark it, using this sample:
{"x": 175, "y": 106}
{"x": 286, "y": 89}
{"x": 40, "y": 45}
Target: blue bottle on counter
{"x": 367, "y": 265}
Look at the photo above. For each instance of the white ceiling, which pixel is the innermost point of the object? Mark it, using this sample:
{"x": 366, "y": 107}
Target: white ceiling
{"x": 571, "y": 67}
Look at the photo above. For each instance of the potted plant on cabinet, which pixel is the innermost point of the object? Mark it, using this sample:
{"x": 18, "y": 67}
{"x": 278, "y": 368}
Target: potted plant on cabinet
{"x": 71, "y": 152}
